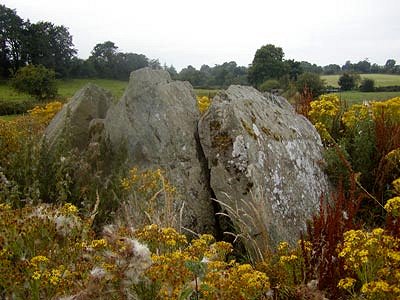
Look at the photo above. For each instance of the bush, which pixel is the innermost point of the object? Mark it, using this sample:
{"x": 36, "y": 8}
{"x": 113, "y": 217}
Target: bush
{"x": 367, "y": 85}
{"x": 310, "y": 83}
{"x": 36, "y": 81}
{"x": 389, "y": 88}
{"x": 268, "y": 85}
{"x": 349, "y": 81}
{"x": 9, "y": 107}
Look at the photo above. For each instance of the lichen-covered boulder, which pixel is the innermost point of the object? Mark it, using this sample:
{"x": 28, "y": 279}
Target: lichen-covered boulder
{"x": 156, "y": 122}
{"x": 264, "y": 161}
{"x": 88, "y": 106}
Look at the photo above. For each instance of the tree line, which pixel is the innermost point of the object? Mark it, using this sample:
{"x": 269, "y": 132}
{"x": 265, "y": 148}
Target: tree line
{"x": 43, "y": 43}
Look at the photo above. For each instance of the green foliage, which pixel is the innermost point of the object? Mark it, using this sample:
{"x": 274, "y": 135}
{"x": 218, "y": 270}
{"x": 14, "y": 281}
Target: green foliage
{"x": 381, "y": 80}
{"x": 358, "y": 141}
{"x": 11, "y": 32}
{"x": 267, "y": 64}
{"x": 108, "y": 62}
{"x": 12, "y": 107}
{"x": 214, "y": 77}
{"x": 349, "y": 81}
{"x": 49, "y": 45}
{"x": 269, "y": 84}
{"x": 367, "y": 85}
{"x": 311, "y": 83}
{"x": 36, "y": 81}
{"x": 33, "y": 43}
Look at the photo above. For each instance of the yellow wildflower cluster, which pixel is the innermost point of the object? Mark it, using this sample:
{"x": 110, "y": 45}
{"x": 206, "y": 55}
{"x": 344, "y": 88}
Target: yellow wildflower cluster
{"x": 347, "y": 283}
{"x": 200, "y": 267}
{"x": 147, "y": 181}
{"x": 37, "y": 262}
{"x": 393, "y": 158}
{"x": 69, "y": 209}
{"x": 17, "y": 133}
{"x": 392, "y": 206}
{"x": 375, "y": 258}
{"x": 391, "y": 109}
{"x": 324, "y": 111}
{"x": 98, "y": 244}
{"x": 44, "y": 114}
{"x": 161, "y": 239}
{"x": 396, "y": 185}
{"x": 357, "y": 113}
{"x": 203, "y": 103}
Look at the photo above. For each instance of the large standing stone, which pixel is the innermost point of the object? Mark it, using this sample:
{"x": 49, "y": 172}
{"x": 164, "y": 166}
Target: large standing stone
{"x": 265, "y": 162}
{"x": 80, "y": 116}
{"x": 156, "y": 120}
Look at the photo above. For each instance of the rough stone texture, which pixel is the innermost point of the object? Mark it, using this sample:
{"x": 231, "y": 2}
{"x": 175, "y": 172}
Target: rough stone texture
{"x": 88, "y": 107}
{"x": 264, "y": 161}
{"x": 156, "y": 120}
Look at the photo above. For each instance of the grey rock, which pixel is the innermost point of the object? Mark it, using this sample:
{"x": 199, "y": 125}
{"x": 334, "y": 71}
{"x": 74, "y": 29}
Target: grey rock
{"x": 156, "y": 120}
{"x": 264, "y": 161}
{"x": 88, "y": 106}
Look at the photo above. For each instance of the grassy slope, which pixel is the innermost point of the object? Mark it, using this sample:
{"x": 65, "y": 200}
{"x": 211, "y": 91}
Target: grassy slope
{"x": 353, "y": 97}
{"x": 380, "y": 79}
{"x": 66, "y": 88}
{"x": 8, "y": 117}
{"x": 7, "y": 93}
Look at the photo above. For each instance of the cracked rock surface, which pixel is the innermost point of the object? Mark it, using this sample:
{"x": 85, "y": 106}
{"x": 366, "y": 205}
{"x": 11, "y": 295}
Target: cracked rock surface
{"x": 250, "y": 151}
{"x": 264, "y": 161}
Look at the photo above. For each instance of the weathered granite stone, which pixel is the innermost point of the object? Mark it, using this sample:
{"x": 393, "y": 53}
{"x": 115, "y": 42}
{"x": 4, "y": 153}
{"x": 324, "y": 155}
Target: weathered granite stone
{"x": 88, "y": 104}
{"x": 156, "y": 120}
{"x": 264, "y": 161}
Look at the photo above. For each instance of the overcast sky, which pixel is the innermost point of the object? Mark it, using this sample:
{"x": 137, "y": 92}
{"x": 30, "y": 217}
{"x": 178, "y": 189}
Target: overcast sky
{"x": 185, "y": 32}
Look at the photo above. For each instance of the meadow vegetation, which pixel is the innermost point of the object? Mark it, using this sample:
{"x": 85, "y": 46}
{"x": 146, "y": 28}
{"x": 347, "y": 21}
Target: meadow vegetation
{"x": 380, "y": 79}
{"x": 71, "y": 230}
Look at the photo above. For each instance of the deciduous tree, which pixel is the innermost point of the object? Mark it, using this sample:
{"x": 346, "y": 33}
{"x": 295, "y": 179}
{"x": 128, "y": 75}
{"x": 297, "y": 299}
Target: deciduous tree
{"x": 267, "y": 64}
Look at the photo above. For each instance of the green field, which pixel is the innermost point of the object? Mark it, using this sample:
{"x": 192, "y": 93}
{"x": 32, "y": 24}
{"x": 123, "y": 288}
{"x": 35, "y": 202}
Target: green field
{"x": 66, "y": 88}
{"x": 204, "y": 92}
{"x": 353, "y": 97}
{"x": 380, "y": 79}
{"x": 8, "y": 117}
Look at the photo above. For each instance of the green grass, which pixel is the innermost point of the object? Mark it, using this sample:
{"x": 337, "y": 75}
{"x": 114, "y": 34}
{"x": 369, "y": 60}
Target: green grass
{"x": 8, "y": 94}
{"x": 67, "y": 88}
{"x": 8, "y": 117}
{"x": 380, "y": 79}
{"x": 204, "y": 92}
{"x": 354, "y": 97}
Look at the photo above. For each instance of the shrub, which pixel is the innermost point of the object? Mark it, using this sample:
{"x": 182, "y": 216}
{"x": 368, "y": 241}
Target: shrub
{"x": 311, "y": 83}
{"x": 349, "y": 81}
{"x": 268, "y": 85}
{"x": 367, "y": 85}
{"x": 9, "y": 107}
{"x": 36, "y": 81}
